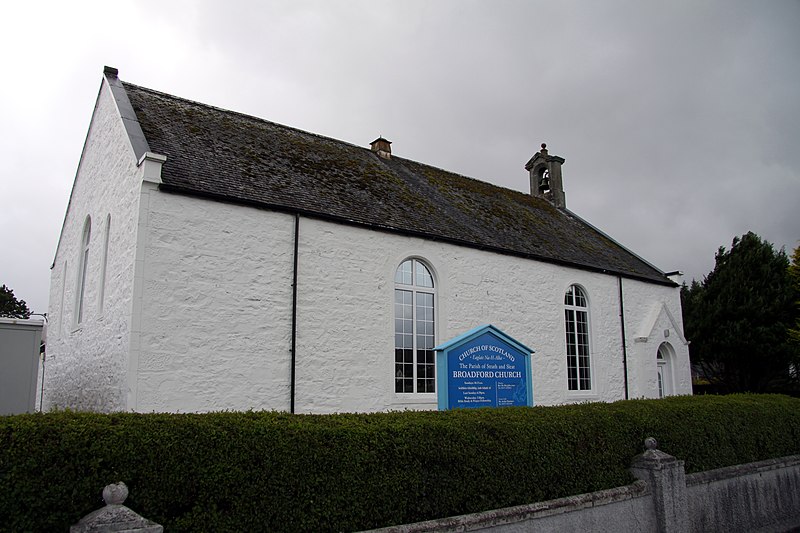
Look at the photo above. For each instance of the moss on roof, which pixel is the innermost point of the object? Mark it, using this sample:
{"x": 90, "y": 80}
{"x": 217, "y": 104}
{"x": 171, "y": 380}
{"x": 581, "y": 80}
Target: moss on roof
{"x": 239, "y": 158}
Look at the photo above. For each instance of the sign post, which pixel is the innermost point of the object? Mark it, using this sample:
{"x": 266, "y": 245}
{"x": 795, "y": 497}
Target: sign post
{"x": 484, "y": 367}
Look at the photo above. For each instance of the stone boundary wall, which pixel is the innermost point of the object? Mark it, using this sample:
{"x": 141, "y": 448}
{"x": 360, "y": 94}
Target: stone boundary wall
{"x": 596, "y": 511}
{"x": 762, "y": 496}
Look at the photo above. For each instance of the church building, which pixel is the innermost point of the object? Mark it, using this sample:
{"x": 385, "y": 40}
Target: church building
{"x": 211, "y": 260}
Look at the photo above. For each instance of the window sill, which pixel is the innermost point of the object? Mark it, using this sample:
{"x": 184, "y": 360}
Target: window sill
{"x": 583, "y": 396}
{"x": 415, "y": 398}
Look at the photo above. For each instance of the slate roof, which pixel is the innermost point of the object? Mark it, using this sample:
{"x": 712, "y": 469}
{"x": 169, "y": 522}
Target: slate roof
{"x": 238, "y": 158}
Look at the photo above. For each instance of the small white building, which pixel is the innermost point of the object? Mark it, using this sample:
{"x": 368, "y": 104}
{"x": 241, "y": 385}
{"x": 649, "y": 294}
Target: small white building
{"x": 211, "y": 260}
{"x": 20, "y": 344}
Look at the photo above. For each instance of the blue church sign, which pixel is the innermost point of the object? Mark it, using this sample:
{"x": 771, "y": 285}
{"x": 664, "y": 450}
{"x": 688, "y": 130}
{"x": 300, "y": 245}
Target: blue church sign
{"x": 484, "y": 367}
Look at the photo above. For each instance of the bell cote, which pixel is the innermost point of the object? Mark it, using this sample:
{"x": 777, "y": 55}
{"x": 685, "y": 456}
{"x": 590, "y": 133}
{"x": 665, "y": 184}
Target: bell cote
{"x": 545, "y": 173}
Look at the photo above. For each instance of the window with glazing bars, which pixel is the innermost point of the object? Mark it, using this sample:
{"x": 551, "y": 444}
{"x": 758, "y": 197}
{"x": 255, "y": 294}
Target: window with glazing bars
{"x": 576, "y": 314}
{"x": 414, "y": 328}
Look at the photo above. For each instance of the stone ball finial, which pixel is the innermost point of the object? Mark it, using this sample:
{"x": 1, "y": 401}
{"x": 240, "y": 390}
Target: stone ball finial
{"x": 544, "y": 146}
{"x": 650, "y": 443}
{"x": 115, "y": 493}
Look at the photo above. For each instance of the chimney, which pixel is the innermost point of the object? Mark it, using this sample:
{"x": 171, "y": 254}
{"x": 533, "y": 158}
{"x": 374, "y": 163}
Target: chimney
{"x": 382, "y": 147}
{"x": 545, "y": 173}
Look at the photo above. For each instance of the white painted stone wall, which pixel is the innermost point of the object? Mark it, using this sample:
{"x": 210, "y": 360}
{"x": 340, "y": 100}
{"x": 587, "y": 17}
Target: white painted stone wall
{"x": 215, "y": 307}
{"x": 216, "y": 315}
{"x": 86, "y": 363}
{"x": 345, "y": 353}
{"x": 649, "y": 322}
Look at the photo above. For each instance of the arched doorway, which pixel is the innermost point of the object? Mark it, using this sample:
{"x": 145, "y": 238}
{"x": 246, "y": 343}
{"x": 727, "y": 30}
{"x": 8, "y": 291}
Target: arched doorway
{"x": 664, "y": 358}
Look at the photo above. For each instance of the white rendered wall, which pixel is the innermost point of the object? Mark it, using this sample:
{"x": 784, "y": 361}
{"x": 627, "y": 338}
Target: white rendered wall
{"x": 215, "y": 320}
{"x": 652, "y": 316}
{"x": 345, "y": 337}
{"x": 216, "y": 313}
{"x": 86, "y": 364}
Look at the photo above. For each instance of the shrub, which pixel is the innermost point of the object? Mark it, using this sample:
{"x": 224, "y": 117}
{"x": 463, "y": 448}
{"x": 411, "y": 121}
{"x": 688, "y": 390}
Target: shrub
{"x": 266, "y": 471}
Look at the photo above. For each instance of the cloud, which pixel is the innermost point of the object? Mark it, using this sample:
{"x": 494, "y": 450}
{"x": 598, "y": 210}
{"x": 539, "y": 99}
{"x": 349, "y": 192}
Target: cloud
{"x": 678, "y": 121}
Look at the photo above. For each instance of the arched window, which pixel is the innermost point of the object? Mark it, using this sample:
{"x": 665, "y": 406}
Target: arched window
{"x": 61, "y": 310}
{"x": 576, "y": 313}
{"x": 414, "y": 328}
{"x": 83, "y": 263}
{"x": 664, "y": 369}
{"x": 105, "y": 264}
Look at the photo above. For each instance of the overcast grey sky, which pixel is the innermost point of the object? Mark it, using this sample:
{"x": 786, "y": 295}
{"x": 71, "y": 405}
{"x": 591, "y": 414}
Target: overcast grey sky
{"x": 679, "y": 121}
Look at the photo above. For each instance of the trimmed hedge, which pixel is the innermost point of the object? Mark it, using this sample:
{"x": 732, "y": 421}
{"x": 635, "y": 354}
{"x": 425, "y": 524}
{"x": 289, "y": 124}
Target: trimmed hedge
{"x": 259, "y": 471}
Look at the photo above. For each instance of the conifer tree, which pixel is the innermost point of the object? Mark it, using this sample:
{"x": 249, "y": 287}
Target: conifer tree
{"x": 739, "y": 317}
{"x": 10, "y": 307}
{"x": 794, "y": 275}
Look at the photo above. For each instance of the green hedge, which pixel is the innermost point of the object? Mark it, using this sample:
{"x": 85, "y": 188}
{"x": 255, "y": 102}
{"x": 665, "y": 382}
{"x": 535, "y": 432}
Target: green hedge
{"x": 260, "y": 471}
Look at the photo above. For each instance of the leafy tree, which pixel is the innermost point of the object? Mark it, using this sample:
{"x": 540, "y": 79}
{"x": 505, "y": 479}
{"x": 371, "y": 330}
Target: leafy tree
{"x": 11, "y": 307}
{"x": 739, "y": 316}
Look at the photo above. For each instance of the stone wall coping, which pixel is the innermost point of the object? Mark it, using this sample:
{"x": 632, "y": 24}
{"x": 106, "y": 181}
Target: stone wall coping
{"x": 654, "y": 459}
{"x": 521, "y": 513}
{"x": 115, "y": 517}
{"x": 727, "y": 472}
